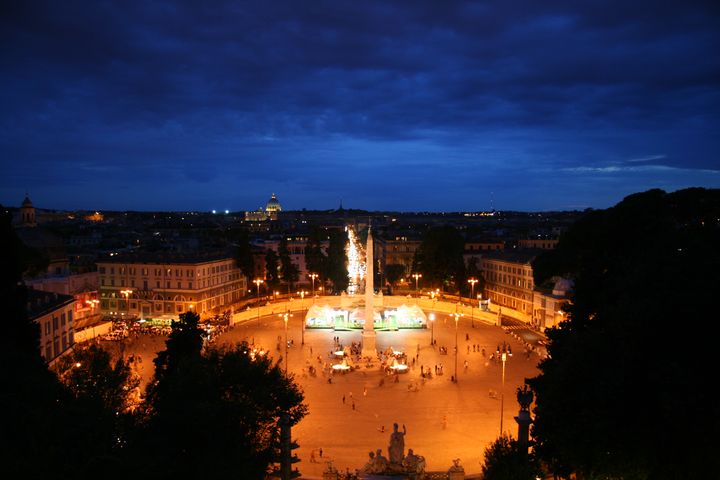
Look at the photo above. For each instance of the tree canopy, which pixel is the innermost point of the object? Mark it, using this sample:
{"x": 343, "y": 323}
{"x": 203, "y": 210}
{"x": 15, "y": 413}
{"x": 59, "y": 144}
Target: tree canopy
{"x": 440, "y": 258}
{"x": 626, "y": 391}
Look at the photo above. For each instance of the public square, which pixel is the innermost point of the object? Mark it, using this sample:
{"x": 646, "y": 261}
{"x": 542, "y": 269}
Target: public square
{"x": 346, "y": 418}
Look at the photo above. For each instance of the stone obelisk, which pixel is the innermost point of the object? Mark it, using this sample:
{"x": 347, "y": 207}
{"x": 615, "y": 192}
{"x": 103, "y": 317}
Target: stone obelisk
{"x": 368, "y": 333}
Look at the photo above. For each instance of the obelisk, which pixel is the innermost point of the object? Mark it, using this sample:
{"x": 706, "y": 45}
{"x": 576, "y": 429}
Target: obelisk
{"x": 368, "y": 333}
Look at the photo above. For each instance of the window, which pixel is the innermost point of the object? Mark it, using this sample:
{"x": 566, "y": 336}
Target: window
{"x": 157, "y": 284}
{"x": 55, "y": 323}
{"x": 112, "y": 270}
{"x": 132, "y": 282}
{"x": 102, "y": 270}
{"x": 145, "y": 287}
{"x": 62, "y": 319}
{"x": 167, "y": 284}
{"x": 190, "y": 285}
{"x": 47, "y": 327}
{"x": 179, "y": 285}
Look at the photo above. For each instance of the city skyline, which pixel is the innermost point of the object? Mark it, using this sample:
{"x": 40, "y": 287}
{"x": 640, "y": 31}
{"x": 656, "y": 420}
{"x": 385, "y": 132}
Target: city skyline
{"x": 383, "y": 106}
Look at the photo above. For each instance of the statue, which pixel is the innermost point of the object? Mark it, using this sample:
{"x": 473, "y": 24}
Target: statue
{"x": 396, "y": 450}
{"x": 370, "y": 465}
{"x": 381, "y": 463}
{"x": 414, "y": 463}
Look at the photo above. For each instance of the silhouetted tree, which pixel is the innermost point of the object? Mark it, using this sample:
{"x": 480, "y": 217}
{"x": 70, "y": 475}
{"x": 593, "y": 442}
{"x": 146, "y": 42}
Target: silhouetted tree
{"x": 626, "y": 390}
{"x": 394, "y": 272}
{"x": 214, "y": 414}
{"x": 440, "y": 258}
{"x": 244, "y": 256}
{"x": 505, "y": 461}
{"x": 336, "y": 265}
{"x": 272, "y": 269}
{"x": 289, "y": 271}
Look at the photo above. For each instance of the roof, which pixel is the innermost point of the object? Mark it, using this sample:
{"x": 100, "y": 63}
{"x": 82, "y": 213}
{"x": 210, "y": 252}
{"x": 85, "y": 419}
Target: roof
{"x": 156, "y": 258}
{"x": 40, "y": 303}
{"x": 513, "y": 256}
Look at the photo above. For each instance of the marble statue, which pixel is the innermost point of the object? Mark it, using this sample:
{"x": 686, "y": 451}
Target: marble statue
{"x": 396, "y": 450}
{"x": 414, "y": 463}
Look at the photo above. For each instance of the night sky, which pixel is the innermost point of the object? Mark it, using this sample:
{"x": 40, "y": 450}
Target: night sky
{"x": 445, "y": 105}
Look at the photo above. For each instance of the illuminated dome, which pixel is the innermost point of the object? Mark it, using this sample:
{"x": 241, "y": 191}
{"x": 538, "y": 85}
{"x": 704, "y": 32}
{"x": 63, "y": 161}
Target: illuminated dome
{"x": 273, "y": 205}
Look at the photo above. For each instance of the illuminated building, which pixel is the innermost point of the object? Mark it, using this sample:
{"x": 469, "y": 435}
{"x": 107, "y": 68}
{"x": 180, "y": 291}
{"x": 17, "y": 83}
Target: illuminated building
{"x": 148, "y": 286}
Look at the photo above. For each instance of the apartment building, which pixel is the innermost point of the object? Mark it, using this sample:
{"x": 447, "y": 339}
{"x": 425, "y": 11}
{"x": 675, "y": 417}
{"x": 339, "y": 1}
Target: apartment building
{"x": 53, "y": 313}
{"x": 162, "y": 285}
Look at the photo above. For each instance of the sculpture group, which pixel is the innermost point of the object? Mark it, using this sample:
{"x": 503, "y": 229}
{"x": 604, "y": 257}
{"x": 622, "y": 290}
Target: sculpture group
{"x": 398, "y": 463}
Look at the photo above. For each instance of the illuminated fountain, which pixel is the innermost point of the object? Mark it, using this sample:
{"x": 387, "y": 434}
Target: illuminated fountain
{"x": 342, "y": 367}
{"x": 398, "y": 367}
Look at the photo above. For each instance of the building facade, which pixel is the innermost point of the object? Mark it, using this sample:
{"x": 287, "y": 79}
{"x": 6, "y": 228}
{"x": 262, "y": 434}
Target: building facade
{"x": 54, "y": 315}
{"x": 154, "y": 287}
{"x": 509, "y": 281}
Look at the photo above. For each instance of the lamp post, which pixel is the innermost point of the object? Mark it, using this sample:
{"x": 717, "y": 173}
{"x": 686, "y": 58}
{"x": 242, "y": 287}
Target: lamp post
{"x": 504, "y": 354}
{"x": 302, "y": 294}
{"x": 126, "y": 294}
{"x": 258, "y": 282}
{"x": 285, "y": 318}
{"x": 313, "y": 276}
{"x": 457, "y": 318}
{"x": 431, "y": 317}
{"x": 472, "y": 282}
{"x": 416, "y": 276}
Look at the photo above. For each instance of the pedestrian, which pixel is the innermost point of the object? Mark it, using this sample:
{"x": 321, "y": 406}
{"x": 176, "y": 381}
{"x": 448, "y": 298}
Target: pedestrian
{"x": 343, "y": 399}
{"x": 353, "y": 405}
{"x": 365, "y": 392}
{"x": 320, "y": 451}
{"x": 310, "y": 350}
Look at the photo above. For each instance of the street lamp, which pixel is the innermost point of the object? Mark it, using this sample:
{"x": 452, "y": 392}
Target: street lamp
{"x": 457, "y": 318}
{"x": 313, "y": 276}
{"x": 416, "y": 276}
{"x": 285, "y": 318}
{"x": 505, "y": 353}
{"x": 258, "y": 282}
{"x": 472, "y": 282}
{"x": 431, "y": 317}
{"x": 126, "y": 294}
{"x": 302, "y": 294}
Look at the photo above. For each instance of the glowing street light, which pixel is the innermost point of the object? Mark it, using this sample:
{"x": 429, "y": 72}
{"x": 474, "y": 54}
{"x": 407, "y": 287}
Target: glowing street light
{"x": 506, "y": 352}
{"x": 431, "y": 317}
{"x": 457, "y": 318}
{"x": 126, "y": 294}
{"x": 313, "y": 276}
{"x": 285, "y": 318}
{"x": 472, "y": 282}
{"x": 302, "y": 294}
{"x": 416, "y": 276}
{"x": 258, "y": 282}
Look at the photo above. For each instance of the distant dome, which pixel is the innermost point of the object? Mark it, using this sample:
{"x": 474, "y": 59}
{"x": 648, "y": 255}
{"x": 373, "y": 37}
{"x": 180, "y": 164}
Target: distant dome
{"x": 562, "y": 287}
{"x": 273, "y": 205}
{"x": 27, "y": 202}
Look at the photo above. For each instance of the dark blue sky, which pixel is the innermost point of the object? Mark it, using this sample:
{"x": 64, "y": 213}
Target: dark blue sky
{"x": 412, "y": 105}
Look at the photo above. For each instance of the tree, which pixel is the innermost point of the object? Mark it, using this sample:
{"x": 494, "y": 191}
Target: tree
{"x": 394, "y": 272}
{"x": 315, "y": 259}
{"x": 289, "y": 271}
{"x": 272, "y": 267}
{"x": 244, "y": 256}
{"x": 440, "y": 258}
{"x": 504, "y": 460}
{"x": 216, "y": 413}
{"x": 336, "y": 265}
{"x": 616, "y": 399}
